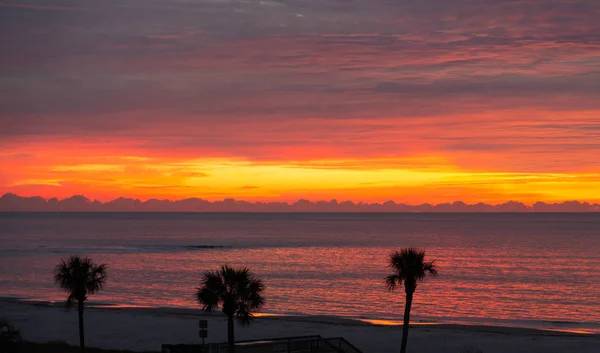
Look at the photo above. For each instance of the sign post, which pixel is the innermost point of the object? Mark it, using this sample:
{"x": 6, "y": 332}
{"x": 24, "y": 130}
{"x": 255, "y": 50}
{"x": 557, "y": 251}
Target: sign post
{"x": 202, "y": 329}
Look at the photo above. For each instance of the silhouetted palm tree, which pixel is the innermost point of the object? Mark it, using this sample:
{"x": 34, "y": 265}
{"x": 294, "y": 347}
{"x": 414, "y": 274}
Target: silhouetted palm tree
{"x": 409, "y": 267}
{"x": 238, "y": 292}
{"x": 79, "y": 276}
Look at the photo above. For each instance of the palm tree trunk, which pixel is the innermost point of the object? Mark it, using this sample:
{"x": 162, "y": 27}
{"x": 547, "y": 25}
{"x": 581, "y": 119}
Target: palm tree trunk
{"x": 230, "y": 334}
{"x": 409, "y": 298}
{"x": 81, "y": 336}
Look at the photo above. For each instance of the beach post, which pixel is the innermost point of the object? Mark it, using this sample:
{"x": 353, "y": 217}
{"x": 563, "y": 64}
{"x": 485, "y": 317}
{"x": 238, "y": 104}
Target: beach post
{"x": 202, "y": 329}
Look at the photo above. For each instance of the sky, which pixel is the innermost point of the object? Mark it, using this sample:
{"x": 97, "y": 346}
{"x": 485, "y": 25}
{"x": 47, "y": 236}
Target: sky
{"x": 413, "y": 101}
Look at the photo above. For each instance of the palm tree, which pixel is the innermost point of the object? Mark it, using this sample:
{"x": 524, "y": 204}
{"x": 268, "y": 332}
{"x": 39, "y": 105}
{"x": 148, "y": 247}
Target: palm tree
{"x": 409, "y": 267}
{"x": 238, "y": 292}
{"x": 79, "y": 276}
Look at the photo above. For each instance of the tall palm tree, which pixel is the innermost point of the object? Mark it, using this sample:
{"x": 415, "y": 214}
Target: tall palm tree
{"x": 79, "y": 276}
{"x": 238, "y": 291}
{"x": 409, "y": 267}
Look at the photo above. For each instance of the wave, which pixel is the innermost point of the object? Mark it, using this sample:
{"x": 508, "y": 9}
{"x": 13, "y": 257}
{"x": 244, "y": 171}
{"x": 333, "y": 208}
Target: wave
{"x": 504, "y": 326}
{"x": 99, "y": 249}
{"x": 207, "y": 247}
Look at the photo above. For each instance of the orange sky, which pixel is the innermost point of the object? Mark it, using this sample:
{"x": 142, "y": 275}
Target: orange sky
{"x": 412, "y": 102}
{"x": 100, "y": 172}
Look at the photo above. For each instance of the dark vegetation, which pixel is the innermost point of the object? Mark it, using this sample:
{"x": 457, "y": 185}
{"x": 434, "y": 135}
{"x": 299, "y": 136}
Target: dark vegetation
{"x": 409, "y": 268}
{"x": 79, "y": 276}
{"x": 236, "y": 291}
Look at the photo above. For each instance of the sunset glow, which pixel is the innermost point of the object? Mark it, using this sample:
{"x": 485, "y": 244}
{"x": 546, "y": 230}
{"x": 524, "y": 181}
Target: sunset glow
{"x": 479, "y": 103}
{"x": 412, "y": 180}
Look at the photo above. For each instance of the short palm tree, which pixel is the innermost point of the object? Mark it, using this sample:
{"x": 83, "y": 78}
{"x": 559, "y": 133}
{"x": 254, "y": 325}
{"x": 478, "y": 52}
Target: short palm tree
{"x": 79, "y": 276}
{"x": 238, "y": 292}
{"x": 409, "y": 267}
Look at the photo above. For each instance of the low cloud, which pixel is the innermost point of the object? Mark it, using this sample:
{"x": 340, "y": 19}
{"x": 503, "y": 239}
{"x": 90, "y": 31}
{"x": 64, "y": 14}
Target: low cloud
{"x": 79, "y": 203}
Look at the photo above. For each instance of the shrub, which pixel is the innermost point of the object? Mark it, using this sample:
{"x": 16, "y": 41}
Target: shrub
{"x": 10, "y": 337}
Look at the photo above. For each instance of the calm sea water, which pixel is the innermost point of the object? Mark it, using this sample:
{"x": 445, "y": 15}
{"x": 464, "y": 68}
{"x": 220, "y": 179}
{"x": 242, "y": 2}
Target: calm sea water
{"x": 531, "y": 270}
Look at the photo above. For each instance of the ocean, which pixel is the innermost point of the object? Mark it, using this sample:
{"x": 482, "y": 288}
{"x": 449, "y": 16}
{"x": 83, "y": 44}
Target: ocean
{"x": 538, "y": 270}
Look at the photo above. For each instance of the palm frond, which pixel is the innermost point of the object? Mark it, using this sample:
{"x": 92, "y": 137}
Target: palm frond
{"x": 392, "y": 281}
{"x": 254, "y": 297}
{"x": 409, "y": 267}
{"x": 244, "y": 317}
{"x": 79, "y": 276}
{"x": 63, "y": 276}
{"x": 237, "y": 291}
{"x": 96, "y": 278}
{"x": 207, "y": 298}
{"x": 431, "y": 267}
{"x": 70, "y": 300}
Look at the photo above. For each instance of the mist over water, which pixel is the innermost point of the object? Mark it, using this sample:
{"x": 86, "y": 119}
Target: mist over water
{"x": 537, "y": 270}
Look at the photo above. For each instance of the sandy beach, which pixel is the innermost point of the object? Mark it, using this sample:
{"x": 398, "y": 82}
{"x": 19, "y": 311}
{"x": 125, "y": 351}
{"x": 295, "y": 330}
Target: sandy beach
{"x": 142, "y": 329}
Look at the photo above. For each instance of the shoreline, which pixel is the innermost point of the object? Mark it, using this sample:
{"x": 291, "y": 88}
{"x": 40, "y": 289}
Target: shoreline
{"x": 146, "y": 329}
{"x": 324, "y": 319}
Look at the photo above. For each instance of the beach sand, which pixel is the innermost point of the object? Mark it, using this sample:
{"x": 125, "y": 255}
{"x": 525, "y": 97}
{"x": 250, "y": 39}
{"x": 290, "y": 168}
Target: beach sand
{"x": 147, "y": 328}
